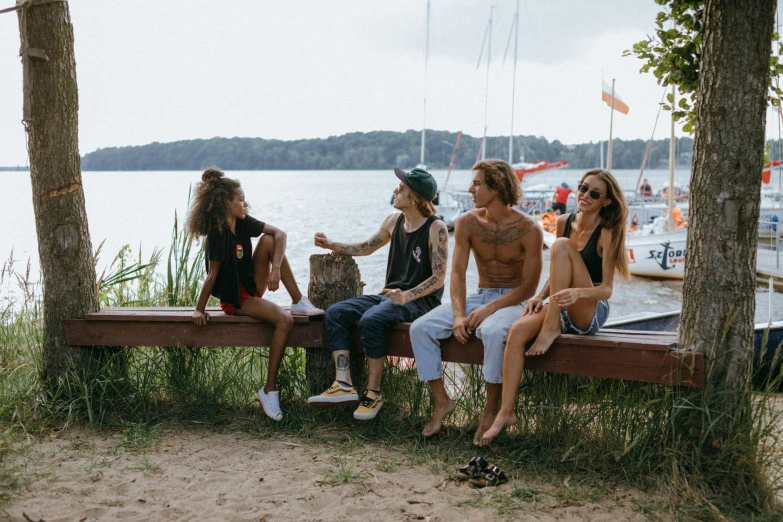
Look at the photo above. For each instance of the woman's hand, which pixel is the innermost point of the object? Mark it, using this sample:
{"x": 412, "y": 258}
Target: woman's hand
{"x": 533, "y": 306}
{"x": 397, "y": 296}
{"x": 566, "y": 297}
{"x": 274, "y": 279}
{"x": 200, "y": 317}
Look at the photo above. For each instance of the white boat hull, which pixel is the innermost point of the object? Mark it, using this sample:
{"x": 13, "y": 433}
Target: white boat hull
{"x": 661, "y": 256}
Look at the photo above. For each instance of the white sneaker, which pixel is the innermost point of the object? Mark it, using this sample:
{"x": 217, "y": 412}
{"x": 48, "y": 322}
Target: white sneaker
{"x": 305, "y": 307}
{"x": 271, "y": 404}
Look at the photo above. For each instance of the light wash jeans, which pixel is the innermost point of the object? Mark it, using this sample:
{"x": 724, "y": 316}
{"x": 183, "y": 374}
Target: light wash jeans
{"x": 428, "y": 330}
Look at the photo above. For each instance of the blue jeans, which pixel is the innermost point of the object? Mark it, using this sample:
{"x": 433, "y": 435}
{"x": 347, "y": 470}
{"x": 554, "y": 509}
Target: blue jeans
{"x": 376, "y": 314}
{"x": 599, "y": 319}
{"x": 427, "y": 332}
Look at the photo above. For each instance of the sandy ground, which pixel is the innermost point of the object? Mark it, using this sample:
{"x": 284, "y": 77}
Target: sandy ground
{"x": 81, "y": 476}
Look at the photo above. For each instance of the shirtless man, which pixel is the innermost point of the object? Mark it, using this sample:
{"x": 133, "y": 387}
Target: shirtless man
{"x": 507, "y": 246}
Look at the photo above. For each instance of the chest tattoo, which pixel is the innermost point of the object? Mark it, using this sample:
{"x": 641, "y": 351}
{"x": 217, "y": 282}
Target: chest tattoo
{"x": 499, "y": 237}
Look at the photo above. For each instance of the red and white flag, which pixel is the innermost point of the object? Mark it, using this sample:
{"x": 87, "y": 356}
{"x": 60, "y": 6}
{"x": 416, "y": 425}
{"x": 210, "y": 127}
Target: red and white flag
{"x": 606, "y": 95}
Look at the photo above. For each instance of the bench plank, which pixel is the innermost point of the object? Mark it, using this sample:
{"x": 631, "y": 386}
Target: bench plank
{"x": 618, "y": 354}
{"x": 183, "y": 333}
{"x": 181, "y": 316}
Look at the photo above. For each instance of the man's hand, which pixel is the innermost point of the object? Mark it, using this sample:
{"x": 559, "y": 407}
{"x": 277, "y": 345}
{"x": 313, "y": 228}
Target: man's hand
{"x": 477, "y": 317}
{"x": 566, "y": 297}
{"x": 461, "y": 329}
{"x": 533, "y": 306}
{"x": 200, "y": 317}
{"x": 322, "y": 241}
{"x": 274, "y": 279}
{"x": 397, "y": 296}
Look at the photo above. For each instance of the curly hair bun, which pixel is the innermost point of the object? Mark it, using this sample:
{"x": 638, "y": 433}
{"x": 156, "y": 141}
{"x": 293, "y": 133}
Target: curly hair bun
{"x": 212, "y": 174}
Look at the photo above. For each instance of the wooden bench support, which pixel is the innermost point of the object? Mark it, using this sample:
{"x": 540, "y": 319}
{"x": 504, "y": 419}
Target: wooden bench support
{"x": 616, "y": 354}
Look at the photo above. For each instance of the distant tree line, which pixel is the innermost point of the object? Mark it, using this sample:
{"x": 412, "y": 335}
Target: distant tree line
{"x": 368, "y": 151}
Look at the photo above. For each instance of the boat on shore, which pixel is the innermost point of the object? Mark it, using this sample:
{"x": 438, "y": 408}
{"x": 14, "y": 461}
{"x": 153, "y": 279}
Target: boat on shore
{"x": 767, "y": 338}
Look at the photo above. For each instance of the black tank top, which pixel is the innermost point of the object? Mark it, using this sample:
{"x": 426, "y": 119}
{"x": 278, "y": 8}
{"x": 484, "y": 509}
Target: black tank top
{"x": 589, "y": 253}
{"x": 409, "y": 261}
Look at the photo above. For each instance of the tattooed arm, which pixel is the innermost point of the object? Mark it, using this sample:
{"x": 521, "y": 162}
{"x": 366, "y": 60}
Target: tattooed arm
{"x": 439, "y": 253}
{"x": 379, "y": 239}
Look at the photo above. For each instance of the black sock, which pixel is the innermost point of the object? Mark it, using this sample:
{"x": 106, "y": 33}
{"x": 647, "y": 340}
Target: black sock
{"x": 377, "y": 392}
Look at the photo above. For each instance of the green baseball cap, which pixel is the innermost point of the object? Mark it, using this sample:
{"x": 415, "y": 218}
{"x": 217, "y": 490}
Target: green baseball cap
{"x": 420, "y": 181}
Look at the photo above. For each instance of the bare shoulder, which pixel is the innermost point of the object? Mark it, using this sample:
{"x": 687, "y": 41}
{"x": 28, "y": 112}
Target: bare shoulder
{"x": 438, "y": 227}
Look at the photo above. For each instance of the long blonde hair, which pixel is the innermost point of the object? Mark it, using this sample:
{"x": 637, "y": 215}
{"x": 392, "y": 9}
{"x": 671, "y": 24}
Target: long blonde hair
{"x": 614, "y": 216}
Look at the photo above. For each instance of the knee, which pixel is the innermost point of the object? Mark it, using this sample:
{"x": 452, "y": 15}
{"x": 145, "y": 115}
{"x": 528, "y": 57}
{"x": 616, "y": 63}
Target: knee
{"x": 370, "y": 322}
{"x": 285, "y": 322}
{"x": 266, "y": 243}
{"x": 561, "y": 246}
{"x": 418, "y": 329}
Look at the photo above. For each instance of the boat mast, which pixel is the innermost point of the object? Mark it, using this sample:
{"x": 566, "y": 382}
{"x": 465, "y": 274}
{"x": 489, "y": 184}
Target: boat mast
{"x": 488, "y": 41}
{"x": 513, "y": 88}
{"x": 426, "y": 59}
{"x": 670, "y": 221}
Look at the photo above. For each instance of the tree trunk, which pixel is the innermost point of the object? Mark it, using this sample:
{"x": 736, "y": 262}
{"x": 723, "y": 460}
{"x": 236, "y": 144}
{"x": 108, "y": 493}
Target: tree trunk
{"x": 333, "y": 278}
{"x": 64, "y": 244}
{"x": 720, "y": 270}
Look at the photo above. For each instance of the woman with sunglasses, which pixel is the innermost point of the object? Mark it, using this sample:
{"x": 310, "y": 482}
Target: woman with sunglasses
{"x": 589, "y": 249}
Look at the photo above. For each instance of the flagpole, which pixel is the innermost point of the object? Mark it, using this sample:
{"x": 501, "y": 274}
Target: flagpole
{"x": 611, "y": 121}
{"x": 670, "y": 221}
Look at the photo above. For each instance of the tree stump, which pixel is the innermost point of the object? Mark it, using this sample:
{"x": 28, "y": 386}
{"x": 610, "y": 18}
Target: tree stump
{"x": 333, "y": 278}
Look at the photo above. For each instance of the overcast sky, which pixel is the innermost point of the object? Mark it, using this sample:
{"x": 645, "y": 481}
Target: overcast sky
{"x": 181, "y": 69}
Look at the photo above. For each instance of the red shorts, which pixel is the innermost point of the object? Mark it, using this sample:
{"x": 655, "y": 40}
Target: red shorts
{"x": 243, "y": 295}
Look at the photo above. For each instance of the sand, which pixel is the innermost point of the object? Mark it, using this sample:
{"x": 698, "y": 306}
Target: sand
{"x": 83, "y": 476}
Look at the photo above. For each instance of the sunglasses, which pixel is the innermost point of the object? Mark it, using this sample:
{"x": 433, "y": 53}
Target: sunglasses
{"x": 594, "y": 194}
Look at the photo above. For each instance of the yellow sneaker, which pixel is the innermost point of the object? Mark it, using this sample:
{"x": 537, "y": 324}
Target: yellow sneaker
{"x": 369, "y": 406}
{"x": 335, "y": 395}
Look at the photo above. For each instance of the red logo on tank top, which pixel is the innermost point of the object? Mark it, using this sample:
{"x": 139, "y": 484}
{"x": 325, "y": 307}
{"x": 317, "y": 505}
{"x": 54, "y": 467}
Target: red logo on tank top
{"x": 240, "y": 252}
{"x": 417, "y": 254}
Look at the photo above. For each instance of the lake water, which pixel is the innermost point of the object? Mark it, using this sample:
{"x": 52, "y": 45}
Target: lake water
{"x": 138, "y": 209}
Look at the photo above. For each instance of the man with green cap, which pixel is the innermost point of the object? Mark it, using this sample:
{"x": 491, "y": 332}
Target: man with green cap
{"x": 415, "y": 274}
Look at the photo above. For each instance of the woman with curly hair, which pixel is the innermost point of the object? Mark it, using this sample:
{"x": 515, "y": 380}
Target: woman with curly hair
{"x": 237, "y": 276}
{"x": 589, "y": 249}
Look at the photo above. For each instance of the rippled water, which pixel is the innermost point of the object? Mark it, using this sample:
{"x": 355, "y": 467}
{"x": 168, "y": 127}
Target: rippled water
{"x": 138, "y": 208}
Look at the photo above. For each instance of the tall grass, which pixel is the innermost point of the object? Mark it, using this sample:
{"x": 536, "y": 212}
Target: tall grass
{"x": 650, "y": 436}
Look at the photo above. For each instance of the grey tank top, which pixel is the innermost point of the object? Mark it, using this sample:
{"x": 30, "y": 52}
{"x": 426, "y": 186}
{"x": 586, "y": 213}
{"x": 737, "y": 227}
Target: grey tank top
{"x": 409, "y": 261}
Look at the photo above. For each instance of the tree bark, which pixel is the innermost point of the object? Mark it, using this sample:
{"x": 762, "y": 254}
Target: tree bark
{"x": 333, "y": 278}
{"x": 64, "y": 245}
{"x": 720, "y": 270}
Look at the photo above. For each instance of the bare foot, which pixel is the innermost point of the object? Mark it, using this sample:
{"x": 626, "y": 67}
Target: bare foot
{"x": 501, "y": 421}
{"x": 438, "y": 414}
{"x": 543, "y": 342}
{"x": 484, "y": 425}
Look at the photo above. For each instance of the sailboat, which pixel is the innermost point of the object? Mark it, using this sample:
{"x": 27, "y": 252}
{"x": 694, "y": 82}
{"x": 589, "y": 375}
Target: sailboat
{"x": 658, "y": 250}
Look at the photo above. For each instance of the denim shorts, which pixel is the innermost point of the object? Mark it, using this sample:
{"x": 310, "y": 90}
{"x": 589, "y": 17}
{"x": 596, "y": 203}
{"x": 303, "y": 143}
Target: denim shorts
{"x": 599, "y": 319}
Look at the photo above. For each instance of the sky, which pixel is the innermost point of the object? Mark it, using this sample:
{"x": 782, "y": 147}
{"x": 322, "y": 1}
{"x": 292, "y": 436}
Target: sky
{"x": 291, "y": 69}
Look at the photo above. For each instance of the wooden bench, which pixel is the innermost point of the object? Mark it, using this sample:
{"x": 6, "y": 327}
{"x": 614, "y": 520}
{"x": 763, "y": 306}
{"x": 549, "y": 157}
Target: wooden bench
{"x": 617, "y": 354}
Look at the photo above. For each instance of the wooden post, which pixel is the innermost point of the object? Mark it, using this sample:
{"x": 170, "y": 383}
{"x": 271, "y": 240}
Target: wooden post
{"x": 333, "y": 278}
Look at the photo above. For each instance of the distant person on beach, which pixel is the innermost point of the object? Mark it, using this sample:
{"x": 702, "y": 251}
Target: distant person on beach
{"x": 645, "y": 189}
{"x": 560, "y": 200}
{"x": 415, "y": 274}
{"x": 507, "y": 247}
{"x": 237, "y": 276}
{"x": 589, "y": 249}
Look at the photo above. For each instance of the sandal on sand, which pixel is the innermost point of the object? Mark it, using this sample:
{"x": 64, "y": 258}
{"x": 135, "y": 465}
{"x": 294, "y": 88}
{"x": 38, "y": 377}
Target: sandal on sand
{"x": 491, "y": 476}
{"x": 472, "y": 469}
